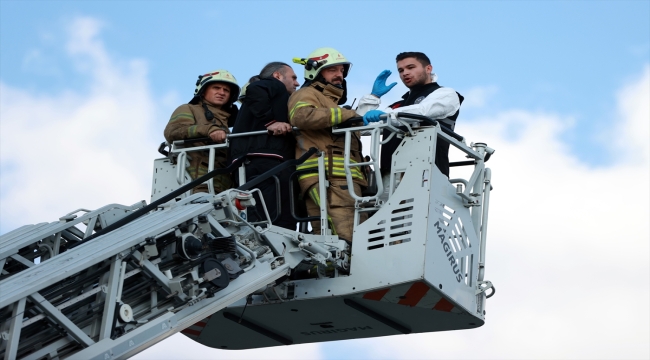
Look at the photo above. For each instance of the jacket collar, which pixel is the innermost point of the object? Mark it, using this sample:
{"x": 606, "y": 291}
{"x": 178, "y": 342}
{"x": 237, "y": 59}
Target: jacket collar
{"x": 422, "y": 90}
{"x": 329, "y": 90}
{"x": 217, "y": 112}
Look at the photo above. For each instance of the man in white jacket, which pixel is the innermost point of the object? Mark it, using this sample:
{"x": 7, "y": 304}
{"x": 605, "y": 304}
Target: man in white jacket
{"x": 425, "y": 97}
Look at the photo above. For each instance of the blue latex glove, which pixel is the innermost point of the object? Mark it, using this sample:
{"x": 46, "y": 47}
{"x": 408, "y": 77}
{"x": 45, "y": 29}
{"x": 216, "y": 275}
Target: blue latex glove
{"x": 372, "y": 116}
{"x": 379, "y": 88}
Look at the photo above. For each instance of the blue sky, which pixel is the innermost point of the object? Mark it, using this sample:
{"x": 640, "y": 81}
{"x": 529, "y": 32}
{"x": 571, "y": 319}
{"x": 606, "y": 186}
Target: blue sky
{"x": 545, "y": 56}
{"x": 559, "y": 88}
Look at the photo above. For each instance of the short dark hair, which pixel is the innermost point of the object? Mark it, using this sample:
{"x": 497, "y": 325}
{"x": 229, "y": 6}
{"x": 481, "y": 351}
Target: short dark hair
{"x": 423, "y": 59}
{"x": 270, "y": 68}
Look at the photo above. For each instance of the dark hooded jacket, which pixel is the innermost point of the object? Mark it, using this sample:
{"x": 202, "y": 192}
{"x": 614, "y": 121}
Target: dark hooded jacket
{"x": 265, "y": 103}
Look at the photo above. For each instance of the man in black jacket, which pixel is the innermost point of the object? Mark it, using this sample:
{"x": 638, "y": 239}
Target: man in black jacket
{"x": 265, "y": 108}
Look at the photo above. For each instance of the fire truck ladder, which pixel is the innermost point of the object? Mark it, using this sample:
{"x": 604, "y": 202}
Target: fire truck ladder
{"x": 135, "y": 275}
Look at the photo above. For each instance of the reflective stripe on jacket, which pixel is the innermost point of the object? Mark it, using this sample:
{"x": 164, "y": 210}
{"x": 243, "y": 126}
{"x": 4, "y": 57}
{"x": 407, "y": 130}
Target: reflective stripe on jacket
{"x": 189, "y": 121}
{"x": 314, "y": 110}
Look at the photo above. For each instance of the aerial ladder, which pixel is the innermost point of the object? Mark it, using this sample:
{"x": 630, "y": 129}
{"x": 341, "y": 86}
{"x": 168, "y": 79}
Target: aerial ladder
{"x": 109, "y": 283}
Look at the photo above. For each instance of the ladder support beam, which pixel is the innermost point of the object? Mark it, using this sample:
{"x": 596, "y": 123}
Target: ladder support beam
{"x": 14, "y": 329}
{"x": 110, "y": 299}
{"x": 54, "y": 313}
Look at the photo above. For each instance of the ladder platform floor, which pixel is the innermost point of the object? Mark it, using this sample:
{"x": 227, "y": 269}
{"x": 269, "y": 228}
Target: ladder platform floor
{"x": 414, "y": 307}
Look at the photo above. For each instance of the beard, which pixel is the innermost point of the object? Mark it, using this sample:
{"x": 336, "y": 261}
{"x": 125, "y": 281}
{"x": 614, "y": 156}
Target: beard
{"x": 337, "y": 81}
{"x": 420, "y": 79}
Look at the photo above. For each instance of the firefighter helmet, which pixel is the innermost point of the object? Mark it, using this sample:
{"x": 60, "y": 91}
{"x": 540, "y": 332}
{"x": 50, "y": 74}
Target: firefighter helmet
{"x": 216, "y": 76}
{"x": 320, "y": 59}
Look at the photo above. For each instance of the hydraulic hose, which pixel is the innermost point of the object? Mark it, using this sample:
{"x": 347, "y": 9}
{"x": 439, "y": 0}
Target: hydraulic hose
{"x": 229, "y": 169}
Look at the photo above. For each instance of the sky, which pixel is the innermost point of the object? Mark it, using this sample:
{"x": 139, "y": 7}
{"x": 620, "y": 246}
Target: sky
{"x": 559, "y": 89}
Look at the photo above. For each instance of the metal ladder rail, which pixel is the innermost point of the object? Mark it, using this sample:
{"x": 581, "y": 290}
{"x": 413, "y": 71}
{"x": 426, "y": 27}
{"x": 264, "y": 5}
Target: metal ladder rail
{"x": 182, "y": 159}
{"x": 161, "y": 325}
{"x": 81, "y": 257}
{"x": 51, "y": 234}
{"x": 374, "y": 160}
{"x": 39, "y": 232}
{"x": 114, "y": 249}
{"x": 390, "y": 122}
{"x": 177, "y": 148}
{"x": 171, "y": 323}
{"x": 27, "y": 284}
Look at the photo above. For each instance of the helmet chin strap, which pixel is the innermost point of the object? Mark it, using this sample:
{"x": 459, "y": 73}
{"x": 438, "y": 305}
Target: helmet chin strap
{"x": 344, "y": 97}
{"x": 321, "y": 79}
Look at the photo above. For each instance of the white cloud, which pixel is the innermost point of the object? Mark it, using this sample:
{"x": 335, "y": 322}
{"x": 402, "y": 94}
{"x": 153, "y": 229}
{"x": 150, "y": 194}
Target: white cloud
{"x": 78, "y": 148}
{"x": 60, "y": 152}
{"x": 478, "y": 96}
{"x": 632, "y": 135}
{"x": 567, "y": 247}
{"x": 181, "y": 347}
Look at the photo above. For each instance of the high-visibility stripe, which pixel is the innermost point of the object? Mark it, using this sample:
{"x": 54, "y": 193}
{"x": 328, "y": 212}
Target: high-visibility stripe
{"x": 314, "y": 196}
{"x": 191, "y": 131}
{"x": 444, "y": 305}
{"x": 182, "y": 116}
{"x": 414, "y": 294}
{"x": 298, "y": 105}
{"x": 336, "y": 116}
{"x": 338, "y": 168}
{"x": 191, "y": 332}
{"x": 335, "y": 172}
{"x": 341, "y": 171}
{"x": 199, "y": 324}
{"x": 337, "y": 162}
{"x": 376, "y": 295}
{"x": 338, "y": 171}
{"x": 313, "y": 193}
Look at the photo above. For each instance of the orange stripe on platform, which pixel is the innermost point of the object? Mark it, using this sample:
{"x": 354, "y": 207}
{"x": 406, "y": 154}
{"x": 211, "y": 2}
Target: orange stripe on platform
{"x": 414, "y": 294}
{"x": 191, "y": 332}
{"x": 376, "y": 295}
{"x": 201, "y": 324}
{"x": 444, "y": 305}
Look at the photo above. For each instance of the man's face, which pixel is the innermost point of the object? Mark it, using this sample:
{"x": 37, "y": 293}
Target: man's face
{"x": 217, "y": 94}
{"x": 288, "y": 77}
{"x": 333, "y": 74}
{"x": 413, "y": 73}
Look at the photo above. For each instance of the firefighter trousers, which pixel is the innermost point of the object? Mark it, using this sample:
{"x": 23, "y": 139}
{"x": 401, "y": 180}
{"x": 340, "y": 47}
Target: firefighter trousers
{"x": 340, "y": 208}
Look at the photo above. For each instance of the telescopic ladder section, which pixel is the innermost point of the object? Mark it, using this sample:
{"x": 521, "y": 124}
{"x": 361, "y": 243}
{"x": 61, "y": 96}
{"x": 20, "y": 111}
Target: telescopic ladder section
{"x": 130, "y": 288}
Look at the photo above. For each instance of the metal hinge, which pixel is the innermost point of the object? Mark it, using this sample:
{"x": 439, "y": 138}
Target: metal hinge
{"x": 484, "y": 286}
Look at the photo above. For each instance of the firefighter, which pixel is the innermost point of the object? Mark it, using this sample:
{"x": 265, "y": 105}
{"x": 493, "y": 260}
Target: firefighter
{"x": 425, "y": 97}
{"x": 315, "y": 110}
{"x": 209, "y": 114}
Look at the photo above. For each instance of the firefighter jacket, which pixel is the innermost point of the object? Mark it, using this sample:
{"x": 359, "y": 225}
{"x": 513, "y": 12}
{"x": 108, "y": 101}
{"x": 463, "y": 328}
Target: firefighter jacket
{"x": 189, "y": 121}
{"x": 314, "y": 110}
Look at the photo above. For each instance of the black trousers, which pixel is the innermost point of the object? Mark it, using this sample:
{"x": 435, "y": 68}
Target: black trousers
{"x": 277, "y": 205}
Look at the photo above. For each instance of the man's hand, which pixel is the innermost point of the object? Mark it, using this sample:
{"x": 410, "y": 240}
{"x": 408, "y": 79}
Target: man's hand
{"x": 372, "y": 116}
{"x": 279, "y": 128}
{"x": 218, "y": 136}
{"x": 380, "y": 88}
